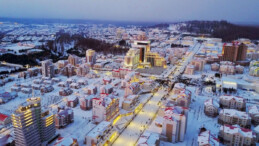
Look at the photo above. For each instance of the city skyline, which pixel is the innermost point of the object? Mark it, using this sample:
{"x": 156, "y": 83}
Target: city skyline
{"x": 133, "y": 10}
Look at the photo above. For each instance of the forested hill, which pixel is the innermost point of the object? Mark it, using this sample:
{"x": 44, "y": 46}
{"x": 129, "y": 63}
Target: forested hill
{"x": 222, "y": 29}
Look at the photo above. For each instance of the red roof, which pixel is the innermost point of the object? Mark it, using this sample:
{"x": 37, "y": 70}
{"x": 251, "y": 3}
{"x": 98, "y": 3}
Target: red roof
{"x": 3, "y": 117}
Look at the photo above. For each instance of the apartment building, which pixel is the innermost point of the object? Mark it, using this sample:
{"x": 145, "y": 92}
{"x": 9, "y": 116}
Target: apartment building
{"x": 64, "y": 117}
{"x": 234, "y": 135}
{"x": 174, "y": 123}
{"x": 105, "y": 108}
{"x": 211, "y": 107}
{"x": 232, "y": 102}
{"x": 233, "y": 117}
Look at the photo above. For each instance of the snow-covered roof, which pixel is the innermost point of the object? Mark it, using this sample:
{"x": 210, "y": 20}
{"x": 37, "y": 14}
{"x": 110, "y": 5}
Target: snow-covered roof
{"x": 236, "y": 129}
{"x": 206, "y": 138}
{"x": 254, "y": 109}
{"x": 148, "y": 139}
{"x": 211, "y": 102}
{"x": 231, "y": 97}
{"x": 234, "y": 112}
{"x": 99, "y": 129}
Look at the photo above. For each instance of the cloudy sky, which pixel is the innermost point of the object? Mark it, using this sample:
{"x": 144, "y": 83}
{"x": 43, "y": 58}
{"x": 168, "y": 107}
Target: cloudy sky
{"x": 243, "y": 11}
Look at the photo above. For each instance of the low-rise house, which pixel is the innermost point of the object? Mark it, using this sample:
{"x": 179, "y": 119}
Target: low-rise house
{"x": 107, "y": 89}
{"x": 56, "y": 80}
{"x": 86, "y": 103}
{"x": 4, "y": 119}
{"x": 36, "y": 86}
{"x": 82, "y": 82}
{"x": 26, "y": 90}
{"x": 234, "y": 135}
{"x": 91, "y": 89}
{"x": 178, "y": 87}
{"x": 205, "y": 138}
{"x": 253, "y": 111}
{"x": 232, "y": 102}
{"x": 174, "y": 123}
{"x": 233, "y": 117}
{"x": 72, "y": 101}
{"x": 184, "y": 98}
{"x": 62, "y": 84}
{"x": 15, "y": 89}
{"x": 46, "y": 89}
{"x": 65, "y": 91}
{"x": 74, "y": 85}
{"x": 64, "y": 117}
{"x": 37, "y": 81}
{"x": 211, "y": 107}
{"x": 106, "y": 80}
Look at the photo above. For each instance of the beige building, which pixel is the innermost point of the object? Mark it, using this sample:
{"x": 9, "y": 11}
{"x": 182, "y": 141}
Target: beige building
{"x": 174, "y": 123}
{"x": 211, "y": 107}
{"x": 232, "y": 102}
{"x": 236, "y": 136}
{"x": 233, "y": 117}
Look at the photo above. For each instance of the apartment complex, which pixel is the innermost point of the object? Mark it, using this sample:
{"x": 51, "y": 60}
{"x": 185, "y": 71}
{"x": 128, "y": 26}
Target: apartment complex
{"x": 105, "y": 108}
{"x": 174, "y": 123}
{"x": 234, "y": 52}
{"x": 233, "y": 117}
{"x": 31, "y": 125}
{"x": 211, "y": 107}
{"x": 232, "y": 102}
{"x": 234, "y": 135}
{"x": 47, "y": 68}
{"x": 64, "y": 117}
{"x": 90, "y": 56}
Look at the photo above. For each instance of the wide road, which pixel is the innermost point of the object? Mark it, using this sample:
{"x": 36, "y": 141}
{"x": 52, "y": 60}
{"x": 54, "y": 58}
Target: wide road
{"x": 136, "y": 127}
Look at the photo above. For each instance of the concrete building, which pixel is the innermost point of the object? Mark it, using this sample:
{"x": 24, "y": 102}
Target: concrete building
{"x": 198, "y": 63}
{"x": 189, "y": 69}
{"x": 131, "y": 59}
{"x": 206, "y": 138}
{"x": 86, "y": 103}
{"x": 82, "y": 70}
{"x": 211, "y": 107}
{"x": 174, "y": 123}
{"x": 105, "y": 108}
{"x": 129, "y": 102}
{"x": 232, "y": 102}
{"x": 73, "y": 60}
{"x": 120, "y": 73}
{"x": 31, "y": 126}
{"x": 233, "y": 117}
{"x": 234, "y": 52}
{"x": 253, "y": 111}
{"x": 90, "y": 57}
{"x": 47, "y": 68}
{"x": 132, "y": 89}
{"x": 64, "y": 117}
{"x": 148, "y": 139}
{"x": 94, "y": 136}
{"x": 234, "y": 135}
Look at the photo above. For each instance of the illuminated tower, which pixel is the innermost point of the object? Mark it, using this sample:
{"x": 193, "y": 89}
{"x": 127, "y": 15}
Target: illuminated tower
{"x": 31, "y": 127}
{"x": 26, "y": 123}
{"x": 90, "y": 56}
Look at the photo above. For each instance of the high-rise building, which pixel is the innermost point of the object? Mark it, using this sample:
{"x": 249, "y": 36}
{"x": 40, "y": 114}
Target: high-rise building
{"x": 31, "y": 126}
{"x": 90, "y": 56}
{"x": 234, "y": 52}
{"x": 140, "y": 56}
{"x": 73, "y": 59}
{"x": 47, "y": 68}
{"x": 174, "y": 123}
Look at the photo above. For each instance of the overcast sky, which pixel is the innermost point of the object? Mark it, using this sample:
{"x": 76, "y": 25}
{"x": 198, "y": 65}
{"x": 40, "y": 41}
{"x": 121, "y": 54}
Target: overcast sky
{"x": 134, "y": 10}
